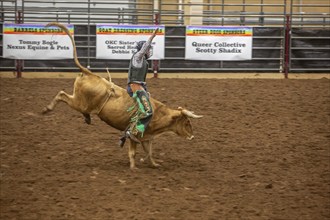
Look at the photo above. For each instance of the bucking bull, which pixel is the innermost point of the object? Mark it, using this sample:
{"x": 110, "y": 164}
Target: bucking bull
{"x": 94, "y": 94}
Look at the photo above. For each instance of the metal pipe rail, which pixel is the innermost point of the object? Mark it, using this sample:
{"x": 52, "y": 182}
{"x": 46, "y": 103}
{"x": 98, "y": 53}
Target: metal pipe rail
{"x": 309, "y": 48}
{"x": 308, "y": 51}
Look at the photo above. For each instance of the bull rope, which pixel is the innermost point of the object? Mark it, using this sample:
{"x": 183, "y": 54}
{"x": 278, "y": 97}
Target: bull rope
{"x": 109, "y": 93}
{"x": 106, "y": 100}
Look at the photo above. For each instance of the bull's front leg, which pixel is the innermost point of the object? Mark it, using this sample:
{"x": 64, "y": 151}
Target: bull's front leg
{"x": 147, "y": 146}
{"x": 131, "y": 154}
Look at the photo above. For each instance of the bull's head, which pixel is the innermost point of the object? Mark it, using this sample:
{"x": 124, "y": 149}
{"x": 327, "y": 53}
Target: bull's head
{"x": 183, "y": 124}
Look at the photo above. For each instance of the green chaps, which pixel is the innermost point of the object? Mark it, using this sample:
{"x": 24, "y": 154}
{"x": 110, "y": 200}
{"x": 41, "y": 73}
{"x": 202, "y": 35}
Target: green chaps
{"x": 143, "y": 114}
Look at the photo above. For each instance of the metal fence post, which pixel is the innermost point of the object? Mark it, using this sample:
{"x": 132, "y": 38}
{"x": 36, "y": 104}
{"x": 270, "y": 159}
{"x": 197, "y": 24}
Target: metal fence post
{"x": 19, "y": 63}
{"x": 89, "y": 37}
{"x": 287, "y": 46}
{"x": 155, "y": 63}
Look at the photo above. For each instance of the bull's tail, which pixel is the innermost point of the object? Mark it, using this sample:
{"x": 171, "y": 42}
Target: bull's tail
{"x": 65, "y": 29}
{"x": 109, "y": 75}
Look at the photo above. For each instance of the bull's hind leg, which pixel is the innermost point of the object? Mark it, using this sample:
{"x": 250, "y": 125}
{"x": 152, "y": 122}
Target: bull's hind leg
{"x": 62, "y": 96}
{"x": 147, "y": 146}
{"x": 68, "y": 99}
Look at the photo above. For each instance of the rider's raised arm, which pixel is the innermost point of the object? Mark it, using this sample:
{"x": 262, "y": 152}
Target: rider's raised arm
{"x": 146, "y": 46}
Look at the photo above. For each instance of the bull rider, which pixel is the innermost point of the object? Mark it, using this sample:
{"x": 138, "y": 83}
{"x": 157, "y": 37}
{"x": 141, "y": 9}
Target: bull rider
{"x": 137, "y": 89}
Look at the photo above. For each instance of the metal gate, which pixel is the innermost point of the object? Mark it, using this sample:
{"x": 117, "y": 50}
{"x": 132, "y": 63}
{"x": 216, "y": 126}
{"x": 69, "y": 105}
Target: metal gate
{"x": 310, "y": 37}
{"x": 288, "y": 35}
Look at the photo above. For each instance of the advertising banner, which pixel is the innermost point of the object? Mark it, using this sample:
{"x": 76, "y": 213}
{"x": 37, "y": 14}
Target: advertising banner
{"x": 35, "y": 42}
{"x": 218, "y": 43}
{"x": 119, "y": 41}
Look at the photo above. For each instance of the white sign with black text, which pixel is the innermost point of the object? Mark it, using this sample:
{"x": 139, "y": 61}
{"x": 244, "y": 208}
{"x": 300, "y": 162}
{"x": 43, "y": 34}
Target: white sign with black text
{"x": 35, "y": 42}
{"x": 119, "y": 41}
{"x": 218, "y": 43}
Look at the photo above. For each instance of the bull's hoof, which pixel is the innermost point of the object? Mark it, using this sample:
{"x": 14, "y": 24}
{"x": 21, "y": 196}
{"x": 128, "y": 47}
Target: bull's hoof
{"x": 45, "y": 110}
{"x": 156, "y": 165}
{"x": 88, "y": 119}
{"x": 134, "y": 168}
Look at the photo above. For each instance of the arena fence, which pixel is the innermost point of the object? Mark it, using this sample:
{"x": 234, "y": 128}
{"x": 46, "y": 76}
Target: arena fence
{"x": 288, "y": 35}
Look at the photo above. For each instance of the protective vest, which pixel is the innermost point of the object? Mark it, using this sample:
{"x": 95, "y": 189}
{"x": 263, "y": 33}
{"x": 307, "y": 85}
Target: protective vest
{"x": 138, "y": 74}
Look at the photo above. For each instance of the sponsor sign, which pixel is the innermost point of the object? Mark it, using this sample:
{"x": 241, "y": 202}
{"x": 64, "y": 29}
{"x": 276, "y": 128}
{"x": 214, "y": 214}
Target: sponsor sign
{"x": 35, "y": 42}
{"x": 218, "y": 43}
{"x": 119, "y": 41}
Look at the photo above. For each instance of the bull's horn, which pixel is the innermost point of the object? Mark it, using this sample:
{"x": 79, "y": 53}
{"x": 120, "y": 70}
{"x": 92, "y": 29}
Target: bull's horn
{"x": 190, "y": 114}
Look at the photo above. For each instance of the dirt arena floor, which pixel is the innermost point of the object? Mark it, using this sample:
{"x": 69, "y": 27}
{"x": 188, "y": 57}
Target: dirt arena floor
{"x": 262, "y": 151}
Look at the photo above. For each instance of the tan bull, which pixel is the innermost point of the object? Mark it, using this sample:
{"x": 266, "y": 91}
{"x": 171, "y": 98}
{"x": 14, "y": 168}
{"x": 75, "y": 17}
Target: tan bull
{"x": 94, "y": 94}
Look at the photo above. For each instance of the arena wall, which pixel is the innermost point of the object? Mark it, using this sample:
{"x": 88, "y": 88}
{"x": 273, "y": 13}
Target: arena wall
{"x": 289, "y": 35}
